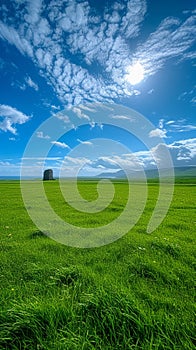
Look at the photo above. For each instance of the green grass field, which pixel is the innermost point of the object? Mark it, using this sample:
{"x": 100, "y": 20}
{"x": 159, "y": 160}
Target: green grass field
{"x": 136, "y": 293}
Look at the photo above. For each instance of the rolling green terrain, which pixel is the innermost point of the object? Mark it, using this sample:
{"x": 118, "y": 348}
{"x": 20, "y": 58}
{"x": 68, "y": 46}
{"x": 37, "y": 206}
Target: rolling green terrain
{"x": 181, "y": 174}
{"x": 136, "y": 293}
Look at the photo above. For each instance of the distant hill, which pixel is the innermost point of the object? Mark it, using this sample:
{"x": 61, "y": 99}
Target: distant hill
{"x": 187, "y": 172}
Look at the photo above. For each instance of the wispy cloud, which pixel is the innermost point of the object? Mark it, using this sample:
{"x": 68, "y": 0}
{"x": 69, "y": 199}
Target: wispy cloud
{"x": 62, "y": 116}
{"x": 52, "y": 33}
{"x": 125, "y": 161}
{"x": 31, "y": 83}
{"x": 76, "y": 161}
{"x": 41, "y": 135}
{"x": 17, "y": 84}
{"x": 161, "y": 123}
{"x": 183, "y": 128}
{"x": 27, "y": 82}
{"x": 59, "y": 144}
{"x": 4, "y": 164}
{"x": 80, "y": 113}
{"x": 12, "y": 138}
{"x": 9, "y": 34}
{"x": 88, "y": 143}
{"x": 172, "y": 38}
{"x": 106, "y": 162}
{"x": 170, "y": 122}
{"x": 171, "y": 126}
{"x": 193, "y": 100}
{"x": 121, "y": 117}
{"x": 188, "y": 96}
{"x": 10, "y": 117}
{"x": 180, "y": 125}
{"x": 56, "y": 108}
{"x": 43, "y": 158}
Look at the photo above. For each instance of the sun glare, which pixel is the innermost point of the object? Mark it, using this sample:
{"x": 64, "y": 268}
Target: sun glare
{"x": 135, "y": 74}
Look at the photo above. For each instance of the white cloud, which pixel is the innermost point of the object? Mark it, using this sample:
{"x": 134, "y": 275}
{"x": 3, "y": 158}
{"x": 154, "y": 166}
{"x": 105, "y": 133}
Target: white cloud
{"x": 86, "y": 108}
{"x": 170, "y": 122}
{"x": 80, "y": 114}
{"x": 188, "y": 96}
{"x": 12, "y": 138}
{"x": 183, "y": 152}
{"x": 43, "y": 158}
{"x": 182, "y": 96}
{"x": 161, "y": 123}
{"x": 105, "y": 162}
{"x": 125, "y": 161}
{"x": 19, "y": 85}
{"x": 4, "y": 163}
{"x": 136, "y": 92}
{"x": 60, "y": 144}
{"x": 79, "y": 161}
{"x": 31, "y": 83}
{"x": 158, "y": 133}
{"x": 55, "y": 107}
{"x": 121, "y": 117}
{"x": 10, "y": 117}
{"x": 184, "y": 128}
{"x": 34, "y": 10}
{"x": 88, "y": 143}
{"x": 41, "y": 135}
{"x": 62, "y": 116}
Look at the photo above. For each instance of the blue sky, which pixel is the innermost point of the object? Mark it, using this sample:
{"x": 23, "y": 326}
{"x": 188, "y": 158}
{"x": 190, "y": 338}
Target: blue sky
{"x": 57, "y": 56}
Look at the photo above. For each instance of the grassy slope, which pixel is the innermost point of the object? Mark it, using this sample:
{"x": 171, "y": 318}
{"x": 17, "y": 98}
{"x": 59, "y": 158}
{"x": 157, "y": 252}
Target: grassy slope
{"x": 136, "y": 293}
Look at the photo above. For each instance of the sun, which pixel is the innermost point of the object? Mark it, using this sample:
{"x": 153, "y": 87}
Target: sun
{"x": 135, "y": 73}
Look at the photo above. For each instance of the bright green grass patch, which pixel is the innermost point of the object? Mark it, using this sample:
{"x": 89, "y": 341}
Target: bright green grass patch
{"x": 136, "y": 293}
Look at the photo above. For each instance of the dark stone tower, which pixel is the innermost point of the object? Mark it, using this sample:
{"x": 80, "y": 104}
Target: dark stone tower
{"x": 48, "y": 175}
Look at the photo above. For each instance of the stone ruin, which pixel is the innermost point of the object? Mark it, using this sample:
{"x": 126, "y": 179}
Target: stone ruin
{"x": 48, "y": 175}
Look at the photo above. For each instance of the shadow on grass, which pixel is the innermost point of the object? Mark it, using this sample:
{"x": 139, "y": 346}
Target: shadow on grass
{"x": 38, "y": 234}
{"x": 167, "y": 248}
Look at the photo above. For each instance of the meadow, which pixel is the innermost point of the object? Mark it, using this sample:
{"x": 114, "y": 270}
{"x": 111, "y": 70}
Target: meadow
{"x": 135, "y": 293}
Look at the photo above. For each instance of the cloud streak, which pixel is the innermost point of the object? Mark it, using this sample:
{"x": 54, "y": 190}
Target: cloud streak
{"x": 60, "y": 144}
{"x": 172, "y": 39}
{"x": 88, "y": 143}
{"x": 31, "y": 83}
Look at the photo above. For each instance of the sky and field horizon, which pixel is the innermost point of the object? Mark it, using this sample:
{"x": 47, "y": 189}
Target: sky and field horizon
{"x": 62, "y": 56}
